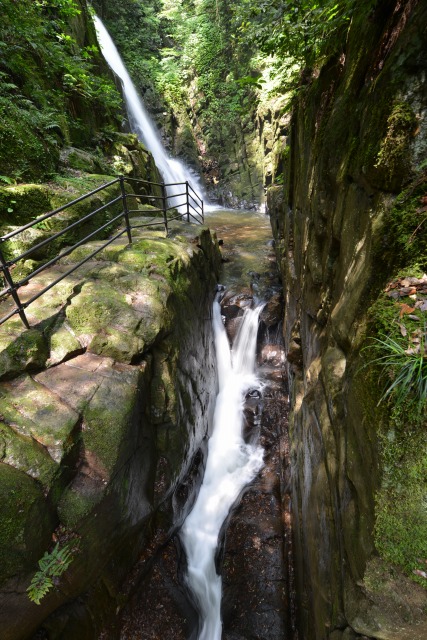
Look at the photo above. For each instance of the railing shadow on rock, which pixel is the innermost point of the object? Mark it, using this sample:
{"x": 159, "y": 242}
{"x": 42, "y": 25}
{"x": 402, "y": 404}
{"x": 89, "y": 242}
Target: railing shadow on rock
{"x": 165, "y": 206}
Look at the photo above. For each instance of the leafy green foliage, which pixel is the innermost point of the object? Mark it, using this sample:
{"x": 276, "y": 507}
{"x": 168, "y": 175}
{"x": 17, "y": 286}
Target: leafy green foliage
{"x": 134, "y": 26}
{"x": 215, "y": 61}
{"x": 397, "y": 360}
{"x": 300, "y": 31}
{"x": 52, "y": 565}
{"x": 48, "y": 82}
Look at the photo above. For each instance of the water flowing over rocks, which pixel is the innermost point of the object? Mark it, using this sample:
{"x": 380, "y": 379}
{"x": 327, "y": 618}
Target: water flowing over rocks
{"x": 100, "y": 444}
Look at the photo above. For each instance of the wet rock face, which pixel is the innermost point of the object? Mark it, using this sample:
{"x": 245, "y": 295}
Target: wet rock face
{"x": 328, "y": 224}
{"x": 101, "y": 440}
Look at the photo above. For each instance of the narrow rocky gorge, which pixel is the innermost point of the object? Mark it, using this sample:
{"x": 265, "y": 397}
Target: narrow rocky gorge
{"x": 106, "y": 402}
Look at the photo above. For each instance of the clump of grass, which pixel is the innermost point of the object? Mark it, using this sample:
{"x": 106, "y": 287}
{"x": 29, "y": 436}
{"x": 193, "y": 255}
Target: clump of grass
{"x": 406, "y": 368}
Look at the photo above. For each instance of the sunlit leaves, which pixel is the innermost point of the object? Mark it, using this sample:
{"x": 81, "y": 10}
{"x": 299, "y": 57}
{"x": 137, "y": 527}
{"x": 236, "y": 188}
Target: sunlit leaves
{"x": 299, "y": 30}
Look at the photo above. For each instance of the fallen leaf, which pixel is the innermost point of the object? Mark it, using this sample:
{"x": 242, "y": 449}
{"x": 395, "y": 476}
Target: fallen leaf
{"x": 421, "y": 305}
{"x": 412, "y": 352}
{"x": 420, "y": 573}
{"x": 403, "y": 330}
{"x": 405, "y": 309}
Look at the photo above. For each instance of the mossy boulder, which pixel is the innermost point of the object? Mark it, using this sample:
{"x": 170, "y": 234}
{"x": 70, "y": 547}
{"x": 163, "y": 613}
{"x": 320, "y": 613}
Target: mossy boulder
{"x": 63, "y": 344}
{"x": 33, "y": 411}
{"x": 21, "y": 351}
{"x": 25, "y": 522}
{"x": 22, "y": 203}
{"x": 105, "y": 322}
{"x": 81, "y": 160}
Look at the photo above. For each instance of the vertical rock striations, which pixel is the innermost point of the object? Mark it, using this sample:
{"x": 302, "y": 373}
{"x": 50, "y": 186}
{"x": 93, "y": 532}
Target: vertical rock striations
{"x": 358, "y": 139}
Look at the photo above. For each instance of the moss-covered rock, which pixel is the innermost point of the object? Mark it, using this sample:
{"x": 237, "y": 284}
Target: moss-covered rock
{"x": 63, "y": 344}
{"x": 111, "y": 443}
{"x": 25, "y": 522}
{"x": 73, "y": 158}
{"x": 105, "y": 322}
{"x": 33, "y": 411}
{"x": 21, "y": 351}
{"x": 22, "y": 203}
{"x": 26, "y": 454}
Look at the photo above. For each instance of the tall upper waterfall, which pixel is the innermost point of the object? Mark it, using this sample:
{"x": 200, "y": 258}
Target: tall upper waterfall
{"x": 140, "y": 122}
{"x": 231, "y": 464}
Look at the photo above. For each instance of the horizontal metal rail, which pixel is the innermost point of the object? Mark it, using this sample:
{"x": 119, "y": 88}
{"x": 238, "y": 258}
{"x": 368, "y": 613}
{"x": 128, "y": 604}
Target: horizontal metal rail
{"x": 58, "y": 210}
{"x": 167, "y": 208}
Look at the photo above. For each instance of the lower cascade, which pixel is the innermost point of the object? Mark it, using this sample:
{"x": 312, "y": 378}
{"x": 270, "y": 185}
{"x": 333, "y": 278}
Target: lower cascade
{"x": 231, "y": 464}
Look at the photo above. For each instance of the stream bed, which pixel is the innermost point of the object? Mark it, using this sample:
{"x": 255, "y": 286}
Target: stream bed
{"x": 254, "y": 555}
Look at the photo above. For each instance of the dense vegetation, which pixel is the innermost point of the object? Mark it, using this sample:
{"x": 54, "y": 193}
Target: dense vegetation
{"x": 208, "y": 68}
{"x": 51, "y": 86}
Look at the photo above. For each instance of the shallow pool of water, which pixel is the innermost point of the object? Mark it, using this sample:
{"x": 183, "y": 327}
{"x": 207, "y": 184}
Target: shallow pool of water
{"x": 247, "y": 248}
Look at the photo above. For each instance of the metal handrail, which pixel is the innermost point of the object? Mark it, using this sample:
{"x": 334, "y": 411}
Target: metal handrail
{"x": 6, "y": 265}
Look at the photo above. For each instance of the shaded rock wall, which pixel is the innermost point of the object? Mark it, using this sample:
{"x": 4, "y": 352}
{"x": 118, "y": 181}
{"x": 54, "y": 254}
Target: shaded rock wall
{"x": 348, "y": 162}
{"x": 237, "y": 167}
{"x": 98, "y": 437}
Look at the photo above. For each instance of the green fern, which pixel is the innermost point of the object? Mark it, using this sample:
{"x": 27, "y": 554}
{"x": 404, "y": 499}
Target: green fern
{"x": 40, "y": 585}
{"x": 52, "y": 565}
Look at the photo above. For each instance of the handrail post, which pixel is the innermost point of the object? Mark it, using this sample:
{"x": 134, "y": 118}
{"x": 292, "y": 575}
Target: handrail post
{"x": 125, "y": 208}
{"x": 203, "y": 212}
{"x": 13, "y": 290}
{"x": 164, "y": 201}
{"x": 188, "y": 201}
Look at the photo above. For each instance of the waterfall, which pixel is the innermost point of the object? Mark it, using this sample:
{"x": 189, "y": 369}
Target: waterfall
{"x": 172, "y": 170}
{"x": 231, "y": 464}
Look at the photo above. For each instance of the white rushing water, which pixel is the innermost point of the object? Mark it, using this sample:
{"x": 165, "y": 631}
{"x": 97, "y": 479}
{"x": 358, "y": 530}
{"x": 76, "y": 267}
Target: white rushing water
{"x": 172, "y": 170}
{"x": 231, "y": 464}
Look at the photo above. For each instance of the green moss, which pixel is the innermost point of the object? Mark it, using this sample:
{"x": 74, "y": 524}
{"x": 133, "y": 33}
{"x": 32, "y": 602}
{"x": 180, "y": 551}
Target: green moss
{"x": 26, "y": 454}
{"x": 21, "y": 351}
{"x": 25, "y": 521}
{"x": 111, "y": 252}
{"x": 94, "y": 310}
{"x": 75, "y": 505}
{"x": 80, "y": 160}
{"x": 384, "y": 317}
{"x": 107, "y": 423}
{"x": 34, "y": 411}
{"x": 393, "y": 155}
{"x": 401, "y": 523}
{"x": 20, "y": 204}
{"x": 401, "y": 517}
{"x": 406, "y": 225}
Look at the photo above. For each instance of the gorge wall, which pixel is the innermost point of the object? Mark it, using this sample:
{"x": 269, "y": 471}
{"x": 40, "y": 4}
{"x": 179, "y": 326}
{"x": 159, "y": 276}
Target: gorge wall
{"x": 357, "y": 159}
{"x": 105, "y": 408}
